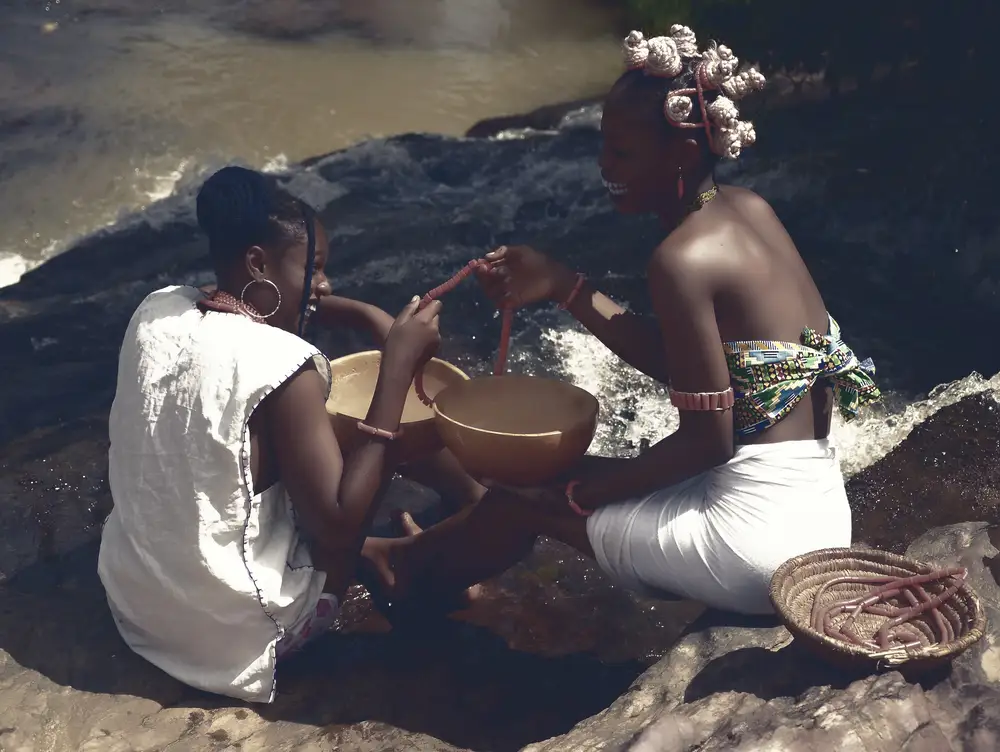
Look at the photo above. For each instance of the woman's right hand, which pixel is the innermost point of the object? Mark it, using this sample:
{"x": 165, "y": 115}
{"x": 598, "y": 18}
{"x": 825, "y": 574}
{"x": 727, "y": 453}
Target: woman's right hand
{"x": 414, "y": 336}
{"x": 518, "y": 275}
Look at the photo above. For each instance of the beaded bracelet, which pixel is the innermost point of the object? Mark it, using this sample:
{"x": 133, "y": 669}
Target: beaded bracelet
{"x": 572, "y": 504}
{"x": 714, "y": 401}
{"x": 379, "y": 432}
{"x": 573, "y": 293}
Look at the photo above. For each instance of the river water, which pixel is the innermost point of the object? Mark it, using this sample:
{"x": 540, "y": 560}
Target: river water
{"x": 118, "y": 108}
{"x": 107, "y": 105}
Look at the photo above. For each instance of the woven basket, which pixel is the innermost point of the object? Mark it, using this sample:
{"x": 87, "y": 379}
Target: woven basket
{"x": 796, "y": 582}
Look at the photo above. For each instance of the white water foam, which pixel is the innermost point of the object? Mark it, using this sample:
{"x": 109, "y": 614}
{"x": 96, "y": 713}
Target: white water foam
{"x": 153, "y": 185}
{"x": 166, "y": 194}
{"x": 276, "y": 164}
{"x": 635, "y": 409}
{"x": 160, "y": 195}
{"x": 619, "y": 388}
{"x": 12, "y": 268}
{"x": 881, "y": 428}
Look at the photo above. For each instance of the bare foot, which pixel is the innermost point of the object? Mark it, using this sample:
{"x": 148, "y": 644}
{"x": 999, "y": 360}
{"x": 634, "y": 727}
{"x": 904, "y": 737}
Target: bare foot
{"x": 376, "y": 561}
{"x": 383, "y": 572}
{"x": 409, "y": 527}
{"x": 406, "y": 523}
{"x": 376, "y": 572}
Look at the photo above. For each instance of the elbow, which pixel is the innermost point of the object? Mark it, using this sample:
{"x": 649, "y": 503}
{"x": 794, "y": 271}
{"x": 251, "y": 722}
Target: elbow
{"x": 726, "y": 452}
{"x": 658, "y": 370}
{"x": 332, "y": 535}
{"x": 332, "y": 529}
{"x": 718, "y": 450}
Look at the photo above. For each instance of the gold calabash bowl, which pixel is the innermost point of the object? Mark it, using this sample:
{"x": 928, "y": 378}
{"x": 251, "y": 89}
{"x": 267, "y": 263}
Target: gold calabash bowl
{"x": 353, "y": 386}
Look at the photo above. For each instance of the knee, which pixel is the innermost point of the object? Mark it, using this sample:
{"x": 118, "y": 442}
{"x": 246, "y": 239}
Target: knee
{"x": 514, "y": 512}
{"x": 500, "y": 500}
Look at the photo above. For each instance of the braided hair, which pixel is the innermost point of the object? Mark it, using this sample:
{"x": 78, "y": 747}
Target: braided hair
{"x": 239, "y": 208}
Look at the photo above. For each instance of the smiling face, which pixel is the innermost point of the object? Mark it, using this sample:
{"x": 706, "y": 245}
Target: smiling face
{"x": 285, "y": 266}
{"x": 641, "y": 154}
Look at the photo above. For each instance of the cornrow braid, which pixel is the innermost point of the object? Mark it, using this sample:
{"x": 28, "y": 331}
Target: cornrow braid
{"x": 239, "y": 208}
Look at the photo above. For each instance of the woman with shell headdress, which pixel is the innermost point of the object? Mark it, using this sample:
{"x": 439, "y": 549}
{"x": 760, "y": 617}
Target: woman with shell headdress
{"x": 741, "y": 335}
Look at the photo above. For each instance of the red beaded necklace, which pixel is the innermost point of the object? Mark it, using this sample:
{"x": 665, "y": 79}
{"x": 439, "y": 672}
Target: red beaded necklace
{"x": 223, "y": 302}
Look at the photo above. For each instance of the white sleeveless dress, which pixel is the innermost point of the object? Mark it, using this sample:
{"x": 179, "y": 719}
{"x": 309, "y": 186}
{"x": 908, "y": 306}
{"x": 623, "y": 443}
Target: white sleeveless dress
{"x": 203, "y": 578}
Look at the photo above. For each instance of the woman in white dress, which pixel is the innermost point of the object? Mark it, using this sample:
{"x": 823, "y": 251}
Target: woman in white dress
{"x": 742, "y": 336}
{"x": 237, "y": 524}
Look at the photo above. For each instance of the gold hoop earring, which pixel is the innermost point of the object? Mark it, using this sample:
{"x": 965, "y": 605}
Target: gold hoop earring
{"x": 276, "y": 292}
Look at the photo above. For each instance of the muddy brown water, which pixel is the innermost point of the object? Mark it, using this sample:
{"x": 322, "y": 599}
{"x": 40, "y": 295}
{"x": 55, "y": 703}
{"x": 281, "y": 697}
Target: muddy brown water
{"x": 106, "y": 105}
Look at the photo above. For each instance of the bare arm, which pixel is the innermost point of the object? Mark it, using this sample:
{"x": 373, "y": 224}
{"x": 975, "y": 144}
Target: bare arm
{"x": 633, "y": 338}
{"x": 681, "y": 290}
{"x": 332, "y": 497}
{"x": 521, "y": 275}
{"x": 336, "y": 311}
{"x": 335, "y": 498}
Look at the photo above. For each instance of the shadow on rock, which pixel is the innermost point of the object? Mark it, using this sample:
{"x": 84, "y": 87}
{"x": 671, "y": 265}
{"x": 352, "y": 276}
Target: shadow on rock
{"x": 753, "y": 671}
{"x": 767, "y": 671}
{"x": 553, "y": 645}
{"x": 769, "y": 674}
{"x": 55, "y": 621}
{"x": 733, "y": 684}
{"x": 459, "y": 683}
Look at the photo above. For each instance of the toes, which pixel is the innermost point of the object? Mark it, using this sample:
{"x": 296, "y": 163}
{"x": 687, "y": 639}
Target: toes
{"x": 375, "y": 563}
{"x": 474, "y": 593}
{"x": 407, "y": 523}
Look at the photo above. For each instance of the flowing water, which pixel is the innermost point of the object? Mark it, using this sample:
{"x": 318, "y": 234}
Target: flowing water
{"x": 105, "y": 105}
{"x": 118, "y": 108}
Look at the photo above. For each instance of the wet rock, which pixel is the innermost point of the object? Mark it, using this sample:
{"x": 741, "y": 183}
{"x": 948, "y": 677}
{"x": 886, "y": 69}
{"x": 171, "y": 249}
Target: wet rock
{"x": 944, "y": 472}
{"x": 285, "y": 19}
{"x": 553, "y": 629}
{"x": 548, "y": 118}
{"x": 558, "y": 644}
{"x": 734, "y": 685}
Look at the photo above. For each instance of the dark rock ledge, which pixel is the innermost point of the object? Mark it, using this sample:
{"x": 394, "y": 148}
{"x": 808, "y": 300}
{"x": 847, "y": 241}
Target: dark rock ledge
{"x": 562, "y": 656}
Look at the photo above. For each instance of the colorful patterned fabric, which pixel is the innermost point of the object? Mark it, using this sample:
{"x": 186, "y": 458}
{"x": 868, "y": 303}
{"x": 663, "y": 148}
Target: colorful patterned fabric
{"x": 770, "y": 378}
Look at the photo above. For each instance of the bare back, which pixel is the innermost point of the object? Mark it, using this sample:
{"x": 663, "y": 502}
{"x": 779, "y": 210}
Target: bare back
{"x": 763, "y": 291}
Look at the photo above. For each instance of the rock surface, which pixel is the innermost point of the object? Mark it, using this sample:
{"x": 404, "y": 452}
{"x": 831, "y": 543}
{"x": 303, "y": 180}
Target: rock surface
{"x": 68, "y": 683}
{"x": 731, "y": 686}
{"x": 945, "y": 471}
{"x": 560, "y": 644}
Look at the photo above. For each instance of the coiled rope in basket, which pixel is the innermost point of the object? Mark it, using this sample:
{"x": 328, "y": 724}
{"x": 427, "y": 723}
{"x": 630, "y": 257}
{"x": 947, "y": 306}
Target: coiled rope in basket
{"x": 875, "y": 607}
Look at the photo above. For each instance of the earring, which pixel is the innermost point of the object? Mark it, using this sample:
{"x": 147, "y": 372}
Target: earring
{"x": 276, "y": 292}
{"x": 680, "y": 183}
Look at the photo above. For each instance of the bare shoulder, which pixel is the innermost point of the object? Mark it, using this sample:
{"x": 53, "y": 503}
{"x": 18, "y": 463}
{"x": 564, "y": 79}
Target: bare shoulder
{"x": 689, "y": 258}
{"x": 748, "y": 203}
{"x": 682, "y": 271}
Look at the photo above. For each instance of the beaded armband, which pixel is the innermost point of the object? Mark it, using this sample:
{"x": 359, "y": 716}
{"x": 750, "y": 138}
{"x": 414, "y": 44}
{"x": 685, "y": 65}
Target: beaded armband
{"x": 705, "y": 401}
